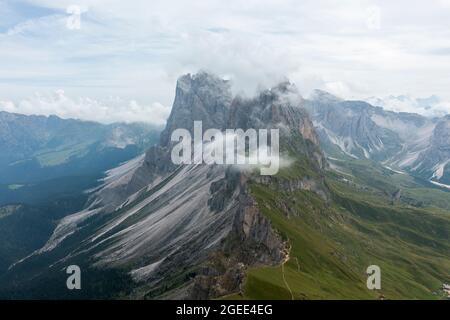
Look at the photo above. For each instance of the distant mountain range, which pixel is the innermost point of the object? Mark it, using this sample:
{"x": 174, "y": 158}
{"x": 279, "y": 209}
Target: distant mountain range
{"x": 38, "y": 147}
{"x": 402, "y": 141}
{"x": 47, "y": 164}
{"x": 432, "y": 106}
{"x": 39, "y": 153}
{"x": 154, "y": 229}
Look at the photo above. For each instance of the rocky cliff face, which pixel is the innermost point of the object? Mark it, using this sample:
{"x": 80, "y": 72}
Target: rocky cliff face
{"x": 441, "y": 135}
{"x": 403, "y": 140}
{"x": 200, "y": 97}
{"x": 251, "y": 241}
{"x": 281, "y": 107}
{"x": 434, "y": 161}
{"x": 191, "y": 230}
{"x": 349, "y": 126}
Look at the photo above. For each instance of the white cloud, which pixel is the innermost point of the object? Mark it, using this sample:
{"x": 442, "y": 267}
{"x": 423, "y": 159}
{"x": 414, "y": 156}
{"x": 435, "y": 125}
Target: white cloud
{"x": 113, "y": 109}
{"x": 338, "y": 88}
{"x": 373, "y": 18}
{"x": 432, "y": 106}
{"x": 137, "y": 49}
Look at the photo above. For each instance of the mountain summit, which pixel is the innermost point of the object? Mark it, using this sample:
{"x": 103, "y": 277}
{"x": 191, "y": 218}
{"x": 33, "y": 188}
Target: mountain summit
{"x": 160, "y": 222}
{"x": 405, "y": 141}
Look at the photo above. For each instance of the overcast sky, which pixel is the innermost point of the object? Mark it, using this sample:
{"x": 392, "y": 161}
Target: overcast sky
{"x": 123, "y": 61}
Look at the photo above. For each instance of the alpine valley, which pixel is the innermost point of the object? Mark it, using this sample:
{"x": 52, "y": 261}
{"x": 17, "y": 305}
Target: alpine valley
{"x": 363, "y": 186}
{"x": 47, "y": 164}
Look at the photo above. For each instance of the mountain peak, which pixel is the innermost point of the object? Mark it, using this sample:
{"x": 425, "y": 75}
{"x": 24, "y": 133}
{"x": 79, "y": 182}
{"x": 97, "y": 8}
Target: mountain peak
{"x": 199, "y": 97}
{"x": 324, "y": 96}
{"x": 201, "y": 80}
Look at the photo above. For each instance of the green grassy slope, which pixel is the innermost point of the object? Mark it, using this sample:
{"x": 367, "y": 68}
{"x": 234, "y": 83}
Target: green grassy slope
{"x": 333, "y": 242}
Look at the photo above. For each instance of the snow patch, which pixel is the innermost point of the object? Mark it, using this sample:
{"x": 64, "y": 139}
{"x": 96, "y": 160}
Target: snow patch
{"x": 393, "y": 170}
{"x": 439, "y": 170}
{"x": 440, "y": 184}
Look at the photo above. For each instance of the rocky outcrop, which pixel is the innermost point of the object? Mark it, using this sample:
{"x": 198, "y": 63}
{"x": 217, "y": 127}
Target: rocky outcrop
{"x": 279, "y": 107}
{"x": 349, "y": 125}
{"x": 200, "y": 97}
{"x": 407, "y": 141}
{"x": 434, "y": 162}
{"x": 194, "y": 227}
{"x": 251, "y": 242}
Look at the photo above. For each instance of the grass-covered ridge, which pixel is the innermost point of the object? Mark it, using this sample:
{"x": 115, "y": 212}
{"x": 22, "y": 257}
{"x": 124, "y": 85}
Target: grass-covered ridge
{"x": 333, "y": 242}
